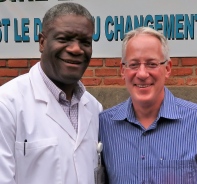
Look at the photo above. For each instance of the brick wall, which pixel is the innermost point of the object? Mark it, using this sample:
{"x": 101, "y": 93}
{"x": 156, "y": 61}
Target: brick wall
{"x": 106, "y": 71}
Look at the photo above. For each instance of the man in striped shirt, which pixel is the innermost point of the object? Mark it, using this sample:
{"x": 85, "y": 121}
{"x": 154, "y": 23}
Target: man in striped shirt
{"x": 152, "y": 137}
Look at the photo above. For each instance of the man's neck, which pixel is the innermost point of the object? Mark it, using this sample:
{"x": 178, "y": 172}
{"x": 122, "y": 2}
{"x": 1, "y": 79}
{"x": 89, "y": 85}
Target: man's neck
{"x": 68, "y": 89}
{"x": 146, "y": 114}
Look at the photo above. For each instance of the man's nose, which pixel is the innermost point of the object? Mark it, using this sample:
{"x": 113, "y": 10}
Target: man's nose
{"x": 142, "y": 72}
{"x": 74, "y": 48}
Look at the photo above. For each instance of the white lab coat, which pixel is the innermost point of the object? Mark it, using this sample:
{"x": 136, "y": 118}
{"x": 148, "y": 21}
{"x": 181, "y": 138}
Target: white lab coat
{"x": 54, "y": 153}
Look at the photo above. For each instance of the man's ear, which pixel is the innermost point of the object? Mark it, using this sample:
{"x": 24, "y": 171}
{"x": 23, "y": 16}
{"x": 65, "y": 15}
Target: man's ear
{"x": 122, "y": 70}
{"x": 41, "y": 42}
{"x": 168, "y": 69}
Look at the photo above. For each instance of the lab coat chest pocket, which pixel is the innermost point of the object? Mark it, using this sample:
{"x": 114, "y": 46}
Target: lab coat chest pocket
{"x": 38, "y": 162}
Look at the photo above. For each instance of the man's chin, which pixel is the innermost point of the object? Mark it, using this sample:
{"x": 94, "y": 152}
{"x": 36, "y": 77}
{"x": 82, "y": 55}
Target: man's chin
{"x": 71, "y": 79}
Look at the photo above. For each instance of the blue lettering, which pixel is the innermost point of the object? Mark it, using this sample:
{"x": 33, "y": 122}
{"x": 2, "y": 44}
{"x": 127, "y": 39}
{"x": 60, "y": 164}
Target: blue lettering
{"x": 138, "y": 23}
{"x": 21, "y": 0}
{"x": 148, "y": 19}
{"x": 158, "y": 19}
{"x": 119, "y": 27}
{"x": 0, "y": 33}
{"x": 179, "y": 26}
{"x": 25, "y": 29}
{"x": 5, "y": 23}
{"x": 17, "y": 37}
{"x": 96, "y": 36}
{"x": 110, "y": 35}
{"x": 189, "y": 26}
{"x": 128, "y": 25}
{"x": 37, "y": 28}
{"x": 168, "y": 29}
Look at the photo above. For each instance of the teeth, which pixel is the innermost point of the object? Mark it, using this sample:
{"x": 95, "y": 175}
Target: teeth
{"x": 71, "y": 62}
{"x": 142, "y": 86}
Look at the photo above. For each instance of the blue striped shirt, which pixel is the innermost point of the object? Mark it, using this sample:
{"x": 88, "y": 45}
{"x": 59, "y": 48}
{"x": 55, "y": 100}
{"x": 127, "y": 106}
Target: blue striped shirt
{"x": 165, "y": 153}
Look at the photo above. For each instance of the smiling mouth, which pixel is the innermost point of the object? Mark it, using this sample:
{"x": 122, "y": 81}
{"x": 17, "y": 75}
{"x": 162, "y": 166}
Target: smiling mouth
{"x": 142, "y": 85}
{"x": 70, "y": 61}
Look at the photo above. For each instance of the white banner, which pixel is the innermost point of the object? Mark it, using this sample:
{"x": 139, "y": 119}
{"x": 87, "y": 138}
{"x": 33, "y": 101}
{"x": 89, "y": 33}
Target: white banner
{"x": 20, "y": 23}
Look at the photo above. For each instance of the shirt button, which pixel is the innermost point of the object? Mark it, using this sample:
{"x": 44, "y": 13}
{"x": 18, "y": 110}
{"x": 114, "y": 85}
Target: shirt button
{"x": 62, "y": 95}
{"x": 143, "y": 157}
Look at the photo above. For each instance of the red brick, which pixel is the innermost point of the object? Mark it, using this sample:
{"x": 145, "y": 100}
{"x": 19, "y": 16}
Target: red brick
{"x": 175, "y": 61}
{"x": 3, "y": 80}
{"x": 106, "y": 72}
{"x": 181, "y": 71}
{"x": 24, "y": 71}
{"x": 119, "y": 72}
{"x": 8, "y": 72}
{"x": 17, "y": 63}
{"x": 112, "y": 62}
{"x": 191, "y": 81}
{"x": 189, "y": 61}
{"x": 96, "y": 62}
{"x": 114, "y": 81}
{"x": 88, "y": 73}
{"x": 184, "y": 71}
{"x": 33, "y": 62}
{"x": 2, "y": 62}
{"x": 91, "y": 81}
{"x": 175, "y": 81}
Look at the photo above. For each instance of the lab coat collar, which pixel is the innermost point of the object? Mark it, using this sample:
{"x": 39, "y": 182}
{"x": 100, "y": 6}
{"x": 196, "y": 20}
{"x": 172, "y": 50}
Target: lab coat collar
{"x": 53, "y": 109}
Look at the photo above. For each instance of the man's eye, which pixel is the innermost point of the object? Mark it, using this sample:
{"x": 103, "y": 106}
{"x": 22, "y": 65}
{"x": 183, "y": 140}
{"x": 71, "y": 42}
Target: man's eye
{"x": 61, "y": 39}
{"x": 86, "y": 43}
{"x": 133, "y": 65}
{"x": 152, "y": 65}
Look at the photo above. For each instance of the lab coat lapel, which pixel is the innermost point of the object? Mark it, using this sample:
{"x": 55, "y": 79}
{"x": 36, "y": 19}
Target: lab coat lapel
{"x": 55, "y": 112}
{"x": 84, "y": 120}
{"x": 53, "y": 109}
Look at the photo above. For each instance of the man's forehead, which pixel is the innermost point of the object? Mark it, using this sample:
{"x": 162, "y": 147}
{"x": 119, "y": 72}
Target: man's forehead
{"x": 70, "y": 23}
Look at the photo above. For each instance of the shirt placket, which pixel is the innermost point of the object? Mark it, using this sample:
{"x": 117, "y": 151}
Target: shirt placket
{"x": 70, "y": 108}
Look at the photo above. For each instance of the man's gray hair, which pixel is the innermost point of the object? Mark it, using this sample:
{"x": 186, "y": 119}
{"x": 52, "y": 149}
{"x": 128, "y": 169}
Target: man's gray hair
{"x": 67, "y": 8}
{"x": 148, "y": 31}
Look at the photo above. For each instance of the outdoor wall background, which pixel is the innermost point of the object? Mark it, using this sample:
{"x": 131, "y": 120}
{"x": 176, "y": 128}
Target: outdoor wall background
{"x": 105, "y": 72}
{"x": 20, "y": 24}
{"x": 103, "y": 79}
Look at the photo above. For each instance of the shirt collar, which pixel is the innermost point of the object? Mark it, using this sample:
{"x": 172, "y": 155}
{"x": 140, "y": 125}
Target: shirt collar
{"x": 125, "y": 111}
{"x": 168, "y": 109}
{"x": 57, "y": 92}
